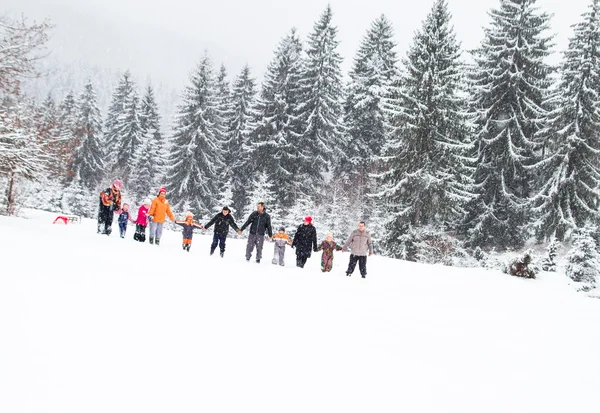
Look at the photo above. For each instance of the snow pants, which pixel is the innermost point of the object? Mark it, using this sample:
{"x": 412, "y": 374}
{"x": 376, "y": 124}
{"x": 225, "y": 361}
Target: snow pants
{"x": 301, "y": 259}
{"x": 362, "y": 264}
{"x": 218, "y": 239}
{"x": 279, "y": 255}
{"x": 326, "y": 262}
{"x": 156, "y": 230}
{"x": 140, "y": 233}
{"x": 123, "y": 228}
{"x": 255, "y": 240}
{"x": 105, "y": 219}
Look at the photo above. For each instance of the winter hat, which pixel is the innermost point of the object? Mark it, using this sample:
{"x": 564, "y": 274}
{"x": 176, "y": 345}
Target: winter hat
{"x": 117, "y": 184}
{"x": 308, "y": 219}
{"x": 282, "y": 229}
{"x": 163, "y": 189}
{"x": 147, "y": 201}
{"x": 189, "y": 214}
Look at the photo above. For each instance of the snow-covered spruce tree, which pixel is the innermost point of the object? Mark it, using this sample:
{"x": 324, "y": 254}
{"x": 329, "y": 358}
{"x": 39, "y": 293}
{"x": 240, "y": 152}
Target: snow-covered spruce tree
{"x": 549, "y": 262}
{"x": 320, "y": 108}
{"x": 149, "y": 166}
{"x": 67, "y": 143}
{"x": 509, "y": 83}
{"x": 366, "y": 116}
{"x": 88, "y": 165}
{"x": 21, "y": 155}
{"x": 262, "y": 191}
{"x": 274, "y": 145}
{"x": 130, "y": 135}
{"x": 114, "y": 119}
{"x": 426, "y": 181}
{"x": 583, "y": 261}
{"x": 571, "y": 194}
{"x": 240, "y": 124}
{"x": 196, "y": 154}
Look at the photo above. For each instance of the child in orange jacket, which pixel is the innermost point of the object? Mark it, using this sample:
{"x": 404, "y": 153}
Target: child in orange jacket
{"x": 281, "y": 239}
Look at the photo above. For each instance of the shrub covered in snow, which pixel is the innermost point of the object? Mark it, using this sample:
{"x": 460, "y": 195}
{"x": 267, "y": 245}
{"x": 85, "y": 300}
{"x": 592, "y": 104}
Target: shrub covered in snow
{"x": 583, "y": 260}
{"x": 522, "y": 266}
{"x": 431, "y": 245}
{"x": 549, "y": 263}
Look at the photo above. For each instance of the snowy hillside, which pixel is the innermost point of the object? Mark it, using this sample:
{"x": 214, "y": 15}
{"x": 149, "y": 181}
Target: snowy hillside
{"x": 90, "y": 323}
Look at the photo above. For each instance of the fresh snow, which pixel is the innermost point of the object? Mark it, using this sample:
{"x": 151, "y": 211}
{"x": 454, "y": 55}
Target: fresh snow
{"x": 90, "y": 323}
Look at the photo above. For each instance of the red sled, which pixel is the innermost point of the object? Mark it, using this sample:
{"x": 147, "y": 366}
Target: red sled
{"x": 67, "y": 219}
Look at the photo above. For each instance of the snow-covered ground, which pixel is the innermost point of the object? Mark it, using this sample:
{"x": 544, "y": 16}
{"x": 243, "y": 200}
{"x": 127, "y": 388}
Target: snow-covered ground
{"x": 90, "y": 323}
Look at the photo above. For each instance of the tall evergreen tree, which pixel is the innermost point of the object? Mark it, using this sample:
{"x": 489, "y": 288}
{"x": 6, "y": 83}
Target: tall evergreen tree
{"x": 571, "y": 193}
{"x": 425, "y": 182}
{"x": 67, "y": 143}
{"x": 115, "y": 117}
{"x": 366, "y": 116}
{"x": 321, "y": 94}
{"x": 510, "y": 83}
{"x": 274, "y": 145}
{"x": 240, "y": 124}
{"x": 130, "y": 138}
{"x": 149, "y": 158}
{"x": 88, "y": 161}
{"x": 196, "y": 153}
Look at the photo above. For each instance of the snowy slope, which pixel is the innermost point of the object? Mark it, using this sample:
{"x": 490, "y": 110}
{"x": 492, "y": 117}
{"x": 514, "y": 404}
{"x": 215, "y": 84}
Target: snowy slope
{"x": 90, "y": 323}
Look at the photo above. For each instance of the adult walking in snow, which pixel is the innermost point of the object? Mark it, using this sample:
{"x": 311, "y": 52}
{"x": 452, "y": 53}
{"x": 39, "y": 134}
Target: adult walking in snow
{"x": 110, "y": 201}
{"x": 360, "y": 244}
{"x": 157, "y": 215}
{"x": 222, "y": 221}
{"x": 305, "y": 241}
{"x": 260, "y": 222}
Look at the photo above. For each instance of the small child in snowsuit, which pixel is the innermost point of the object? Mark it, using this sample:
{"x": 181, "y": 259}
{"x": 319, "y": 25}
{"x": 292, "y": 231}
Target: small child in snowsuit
{"x": 142, "y": 221}
{"x": 280, "y": 239}
{"x": 328, "y": 246}
{"x": 124, "y": 218}
{"x": 188, "y": 230}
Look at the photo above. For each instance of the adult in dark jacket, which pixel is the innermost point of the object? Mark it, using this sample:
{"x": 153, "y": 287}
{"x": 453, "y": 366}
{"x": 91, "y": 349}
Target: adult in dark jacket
{"x": 260, "y": 222}
{"x": 222, "y": 221}
{"x": 305, "y": 241}
{"x": 110, "y": 201}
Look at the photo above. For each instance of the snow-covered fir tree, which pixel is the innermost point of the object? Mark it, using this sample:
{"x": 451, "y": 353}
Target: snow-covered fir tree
{"x": 67, "y": 143}
{"x": 320, "y": 108}
{"x": 426, "y": 182}
{"x": 224, "y": 115}
{"x": 366, "y": 117}
{"x": 130, "y": 139}
{"x": 583, "y": 260}
{"x": 549, "y": 263}
{"x": 196, "y": 153}
{"x": 571, "y": 192}
{"x": 88, "y": 162}
{"x": 48, "y": 131}
{"x": 113, "y": 127}
{"x": 261, "y": 190}
{"x": 237, "y": 157}
{"x": 150, "y": 165}
{"x": 510, "y": 83}
{"x": 274, "y": 144}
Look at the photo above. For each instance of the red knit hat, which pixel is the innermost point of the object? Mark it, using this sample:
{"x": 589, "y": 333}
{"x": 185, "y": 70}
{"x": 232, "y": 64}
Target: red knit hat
{"x": 308, "y": 219}
{"x": 163, "y": 189}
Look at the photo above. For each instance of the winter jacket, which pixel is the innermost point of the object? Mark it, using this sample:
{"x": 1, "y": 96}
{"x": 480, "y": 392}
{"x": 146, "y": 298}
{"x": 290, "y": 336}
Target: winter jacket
{"x": 124, "y": 217}
{"x": 259, "y": 224}
{"x": 328, "y": 247}
{"x": 188, "y": 228}
{"x": 110, "y": 198}
{"x": 360, "y": 243}
{"x": 282, "y": 239}
{"x": 222, "y": 223}
{"x": 305, "y": 240}
{"x": 141, "y": 216}
{"x": 159, "y": 210}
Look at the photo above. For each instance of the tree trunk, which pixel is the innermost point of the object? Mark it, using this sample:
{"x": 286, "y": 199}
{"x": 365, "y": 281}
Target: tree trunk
{"x": 10, "y": 208}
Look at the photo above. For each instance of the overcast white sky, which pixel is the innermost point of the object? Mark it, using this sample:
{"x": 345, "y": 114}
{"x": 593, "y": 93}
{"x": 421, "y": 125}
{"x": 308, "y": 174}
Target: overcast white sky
{"x": 163, "y": 39}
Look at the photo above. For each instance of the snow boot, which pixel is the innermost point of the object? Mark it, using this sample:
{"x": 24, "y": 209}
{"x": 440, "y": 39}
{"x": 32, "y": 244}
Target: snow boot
{"x": 222, "y": 253}
{"x": 151, "y": 240}
{"x": 157, "y": 241}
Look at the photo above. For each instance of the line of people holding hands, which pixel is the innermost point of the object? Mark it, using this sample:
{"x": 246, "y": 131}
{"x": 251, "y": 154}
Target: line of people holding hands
{"x": 153, "y": 213}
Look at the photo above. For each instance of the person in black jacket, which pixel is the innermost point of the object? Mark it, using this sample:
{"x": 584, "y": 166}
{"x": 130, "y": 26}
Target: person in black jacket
{"x": 222, "y": 221}
{"x": 260, "y": 222}
{"x": 305, "y": 241}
